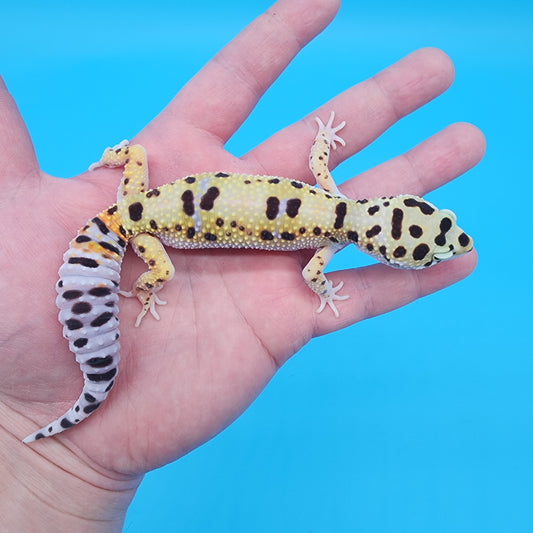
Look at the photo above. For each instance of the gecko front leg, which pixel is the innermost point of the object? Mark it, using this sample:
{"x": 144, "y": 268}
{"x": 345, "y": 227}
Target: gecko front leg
{"x": 313, "y": 274}
{"x": 326, "y": 138}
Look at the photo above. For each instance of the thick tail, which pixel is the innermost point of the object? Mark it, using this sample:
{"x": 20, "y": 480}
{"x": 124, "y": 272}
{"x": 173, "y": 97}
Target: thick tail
{"x": 88, "y": 303}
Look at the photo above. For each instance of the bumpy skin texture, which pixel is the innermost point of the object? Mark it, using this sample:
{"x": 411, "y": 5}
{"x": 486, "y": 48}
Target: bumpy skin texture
{"x": 231, "y": 211}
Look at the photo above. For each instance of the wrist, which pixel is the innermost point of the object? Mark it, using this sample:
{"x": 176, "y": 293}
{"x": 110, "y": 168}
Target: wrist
{"x": 48, "y": 487}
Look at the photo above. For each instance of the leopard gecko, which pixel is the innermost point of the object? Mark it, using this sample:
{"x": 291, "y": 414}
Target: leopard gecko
{"x": 231, "y": 211}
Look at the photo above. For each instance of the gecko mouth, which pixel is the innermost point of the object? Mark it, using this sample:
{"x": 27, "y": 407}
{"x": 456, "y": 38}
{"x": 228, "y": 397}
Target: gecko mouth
{"x": 442, "y": 256}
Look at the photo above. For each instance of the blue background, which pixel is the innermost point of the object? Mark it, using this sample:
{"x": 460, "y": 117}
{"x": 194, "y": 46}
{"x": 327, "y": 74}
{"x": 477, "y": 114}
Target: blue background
{"x": 435, "y": 432}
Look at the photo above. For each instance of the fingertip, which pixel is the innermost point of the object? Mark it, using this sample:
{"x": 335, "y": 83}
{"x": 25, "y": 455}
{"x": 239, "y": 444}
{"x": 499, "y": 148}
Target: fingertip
{"x": 472, "y": 138}
{"x": 438, "y": 63}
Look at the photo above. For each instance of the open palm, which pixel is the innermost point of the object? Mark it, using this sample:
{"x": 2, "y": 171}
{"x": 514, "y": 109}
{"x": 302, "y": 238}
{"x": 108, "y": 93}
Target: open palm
{"x": 233, "y": 317}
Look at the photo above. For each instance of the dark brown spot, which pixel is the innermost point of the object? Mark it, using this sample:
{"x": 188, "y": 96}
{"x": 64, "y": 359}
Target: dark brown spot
{"x": 416, "y": 231}
{"x": 396, "y": 224}
{"x": 420, "y": 252}
{"x": 136, "y": 211}
{"x": 423, "y": 206}
{"x": 81, "y": 308}
{"x": 340, "y": 214}
{"x": 72, "y": 294}
{"x": 208, "y": 199}
{"x": 272, "y": 207}
{"x": 188, "y": 202}
{"x": 353, "y": 236}
{"x": 373, "y": 231}
{"x": 293, "y": 206}
{"x": 84, "y": 261}
{"x": 399, "y": 252}
{"x": 102, "y": 319}
{"x": 101, "y": 226}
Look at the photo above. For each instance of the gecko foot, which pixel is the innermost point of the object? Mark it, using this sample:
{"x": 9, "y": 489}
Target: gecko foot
{"x": 148, "y": 300}
{"x": 330, "y": 131}
{"x": 330, "y": 296}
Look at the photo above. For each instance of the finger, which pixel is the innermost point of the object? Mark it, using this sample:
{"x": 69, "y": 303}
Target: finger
{"x": 369, "y": 108}
{"x": 222, "y": 94}
{"x": 17, "y": 157}
{"x": 378, "y": 289}
{"x": 437, "y": 160}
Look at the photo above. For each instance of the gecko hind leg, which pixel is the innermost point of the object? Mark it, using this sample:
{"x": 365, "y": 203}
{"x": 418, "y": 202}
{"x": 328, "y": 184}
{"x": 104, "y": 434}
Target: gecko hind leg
{"x": 160, "y": 270}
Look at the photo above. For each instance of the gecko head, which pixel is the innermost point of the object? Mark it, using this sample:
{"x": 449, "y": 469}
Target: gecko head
{"x": 449, "y": 239}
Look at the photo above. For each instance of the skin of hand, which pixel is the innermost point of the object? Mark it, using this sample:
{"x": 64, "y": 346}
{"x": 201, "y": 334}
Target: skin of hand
{"x": 184, "y": 378}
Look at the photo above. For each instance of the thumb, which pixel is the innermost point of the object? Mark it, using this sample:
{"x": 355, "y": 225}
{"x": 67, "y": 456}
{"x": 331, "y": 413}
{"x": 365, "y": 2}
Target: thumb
{"x": 17, "y": 157}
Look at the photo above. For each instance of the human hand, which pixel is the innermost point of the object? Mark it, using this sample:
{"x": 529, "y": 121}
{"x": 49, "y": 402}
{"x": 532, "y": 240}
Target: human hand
{"x": 233, "y": 317}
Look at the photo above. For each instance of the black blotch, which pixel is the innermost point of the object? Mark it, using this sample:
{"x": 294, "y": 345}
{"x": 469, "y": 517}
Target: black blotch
{"x": 219, "y": 222}
{"x": 208, "y": 199}
{"x": 396, "y": 223}
{"x": 399, "y": 252}
{"x": 190, "y": 179}
{"x": 188, "y": 202}
{"x": 464, "y": 239}
{"x": 89, "y": 397}
{"x": 110, "y": 386}
{"x": 340, "y": 214}
{"x": 153, "y": 224}
{"x": 210, "y": 237}
{"x": 100, "y": 362}
{"x": 373, "y": 210}
{"x": 72, "y": 295}
{"x": 423, "y": 206}
{"x": 297, "y": 184}
{"x": 109, "y": 247}
{"x": 39, "y": 436}
{"x": 106, "y": 376}
{"x": 81, "y": 342}
{"x": 73, "y": 324}
{"x": 369, "y": 247}
{"x": 273, "y": 180}
{"x": 136, "y": 211}
{"x": 445, "y": 226}
{"x": 288, "y": 236}
{"x": 266, "y": 235}
{"x": 221, "y": 175}
{"x": 101, "y": 226}
{"x": 272, "y": 207}
{"x": 66, "y": 423}
{"x": 82, "y": 238}
{"x": 317, "y": 231}
{"x": 80, "y": 308}
{"x": 102, "y": 319}
{"x": 83, "y": 261}
{"x": 190, "y": 233}
{"x": 100, "y": 291}
{"x": 293, "y": 206}
{"x": 373, "y": 231}
{"x": 88, "y": 409}
{"x": 416, "y": 231}
{"x": 352, "y": 235}
{"x": 112, "y": 210}
{"x": 420, "y": 252}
